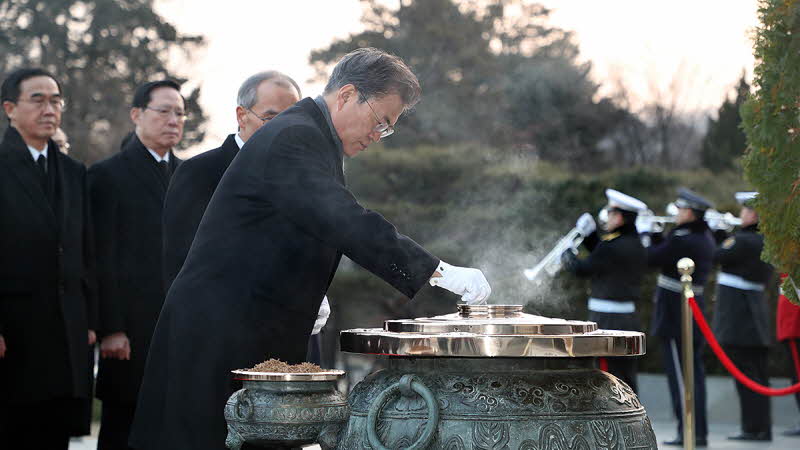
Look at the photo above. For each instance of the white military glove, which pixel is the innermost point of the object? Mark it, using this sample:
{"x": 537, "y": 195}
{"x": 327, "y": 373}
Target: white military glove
{"x": 469, "y": 283}
{"x": 585, "y": 224}
{"x": 322, "y": 316}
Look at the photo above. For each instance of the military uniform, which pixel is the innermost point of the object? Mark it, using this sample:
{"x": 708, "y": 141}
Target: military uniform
{"x": 615, "y": 268}
{"x": 741, "y": 322}
{"x": 689, "y": 240}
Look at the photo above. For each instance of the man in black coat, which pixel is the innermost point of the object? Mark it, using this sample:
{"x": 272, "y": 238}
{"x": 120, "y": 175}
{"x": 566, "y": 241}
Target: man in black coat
{"x": 47, "y": 298}
{"x": 741, "y": 317}
{"x": 615, "y": 267}
{"x": 269, "y": 245}
{"x": 260, "y": 98}
{"x": 127, "y": 192}
{"x": 691, "y": 238}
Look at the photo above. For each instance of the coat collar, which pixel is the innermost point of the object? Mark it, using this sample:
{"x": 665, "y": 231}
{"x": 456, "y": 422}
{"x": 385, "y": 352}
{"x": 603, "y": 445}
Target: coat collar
{"x": 144, "y": 166}
{"x": 15, "y": 151}
{"x": 311, "y": 108}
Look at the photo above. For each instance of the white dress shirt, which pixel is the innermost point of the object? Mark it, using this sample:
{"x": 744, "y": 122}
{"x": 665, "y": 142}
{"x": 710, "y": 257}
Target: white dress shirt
{"x": 35, "y": 153}
{"x": 158, "y": 157}
{"x": 239, "y": 141}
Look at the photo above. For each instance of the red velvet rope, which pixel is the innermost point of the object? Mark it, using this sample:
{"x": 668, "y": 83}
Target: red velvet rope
{"x": 723, "y": 358}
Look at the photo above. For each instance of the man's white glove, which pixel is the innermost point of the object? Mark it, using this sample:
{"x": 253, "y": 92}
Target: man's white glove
{"x": 585, "y": 224}
{"x": 322, "y": 316}
{"x": 469, "y": 283}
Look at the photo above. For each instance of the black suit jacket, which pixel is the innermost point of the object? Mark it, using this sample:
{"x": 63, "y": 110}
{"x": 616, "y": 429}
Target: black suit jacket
{"x": 47, "y": 299}
{"x": 189, "y": 192}
{"x": 127, "y": 192}
{"x": 260, "y": 264}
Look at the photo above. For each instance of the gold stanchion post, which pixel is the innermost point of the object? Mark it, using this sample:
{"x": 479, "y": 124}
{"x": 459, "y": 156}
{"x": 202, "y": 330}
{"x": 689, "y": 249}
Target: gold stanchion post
{"x": 686, "y": 268}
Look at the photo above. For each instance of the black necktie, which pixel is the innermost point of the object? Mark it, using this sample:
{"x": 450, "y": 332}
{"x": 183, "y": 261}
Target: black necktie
{"x": 42, "y": 163}
{"x": 164, "y": 167}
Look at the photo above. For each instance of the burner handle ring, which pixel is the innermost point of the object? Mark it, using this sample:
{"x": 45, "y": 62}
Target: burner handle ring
{"x": 407, "y": 385}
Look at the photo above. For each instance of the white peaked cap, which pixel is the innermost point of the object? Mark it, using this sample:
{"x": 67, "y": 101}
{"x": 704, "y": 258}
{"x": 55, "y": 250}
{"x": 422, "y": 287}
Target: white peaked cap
{"x": 745, "y": 197}
{"x": 617, "y": 199}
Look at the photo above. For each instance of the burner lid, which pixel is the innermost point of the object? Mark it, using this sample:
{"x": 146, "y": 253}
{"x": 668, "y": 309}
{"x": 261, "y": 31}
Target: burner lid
{"x": 492, "y": 331}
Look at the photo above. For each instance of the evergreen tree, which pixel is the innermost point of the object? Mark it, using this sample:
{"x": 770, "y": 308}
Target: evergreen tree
{"x": 725, "y": 140}
{"x": 489, "y": 75}
{"x": 100, "y": 50}
{"x": 770, "y": 117}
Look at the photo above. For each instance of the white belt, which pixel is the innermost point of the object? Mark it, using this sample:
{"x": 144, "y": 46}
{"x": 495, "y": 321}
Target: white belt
{"x": 737, "y": 282}
{"x": 611, "y": 306}
{"x": 674, "y": 285}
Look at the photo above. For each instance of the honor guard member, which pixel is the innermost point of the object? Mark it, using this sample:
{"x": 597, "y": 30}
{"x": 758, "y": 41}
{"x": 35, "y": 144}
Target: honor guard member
{"x": 691, "y": 238}
{"x": 615, "y": 267}
{"x": 741, "y": 317}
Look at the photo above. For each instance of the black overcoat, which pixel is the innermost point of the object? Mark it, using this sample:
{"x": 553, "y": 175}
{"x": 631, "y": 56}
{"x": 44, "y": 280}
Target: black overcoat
{"x": 127, "y": 192}
{"x": 741, "y": 317}
{"x": 690, "y": 240}
{"x": 47, "y": 298}
{"x": 260, "y": 264}
{"x": 188, "y": 194}
{"x": 616, "y": 267}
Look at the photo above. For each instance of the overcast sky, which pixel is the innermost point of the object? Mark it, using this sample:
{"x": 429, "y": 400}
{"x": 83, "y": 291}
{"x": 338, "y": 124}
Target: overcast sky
{"x": 647, "y": 44}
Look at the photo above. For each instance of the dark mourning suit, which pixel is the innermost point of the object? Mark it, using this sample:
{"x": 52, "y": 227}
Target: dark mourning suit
{"x": 616, "y": 266}
{"x": 189, "y": 192}
{"x": 741, "y": 320}
{"x": 47, "y": 298}
{"x": 127, "y": 192}
{"x": 261, "y": 262}
{"x": 690, "y": 240}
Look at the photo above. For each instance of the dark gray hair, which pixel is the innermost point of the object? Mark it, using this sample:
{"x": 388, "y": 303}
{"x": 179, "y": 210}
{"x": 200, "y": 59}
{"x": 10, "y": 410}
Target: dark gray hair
{"x": 375, "y": 74}
{"x": 246, "y": 97}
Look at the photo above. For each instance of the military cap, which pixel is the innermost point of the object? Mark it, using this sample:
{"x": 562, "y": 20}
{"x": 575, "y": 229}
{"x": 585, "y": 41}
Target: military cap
{"x": 618, "y": 200}
{"x": 691, "y": 200}
{"x": 746, "y": 198}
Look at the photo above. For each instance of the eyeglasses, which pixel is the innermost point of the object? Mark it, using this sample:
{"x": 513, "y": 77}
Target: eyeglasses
{"x": 263, "y": 119}
{"x": 40, "y": 102}
{"x": 166, "y": 112}
{"x": 383, "y": 128}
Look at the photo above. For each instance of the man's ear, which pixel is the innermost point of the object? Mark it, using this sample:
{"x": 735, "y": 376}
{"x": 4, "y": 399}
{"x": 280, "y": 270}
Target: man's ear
{"x": 240, "y": 113}
{"x": 9, "y": 108}
{"x": 347, "y": 93}
{"x": 135, "y": 114}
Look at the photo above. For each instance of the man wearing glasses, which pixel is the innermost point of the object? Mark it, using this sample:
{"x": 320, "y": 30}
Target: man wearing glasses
{"x": 47, "y": 294}
{"x": 127, "y": 192}
{"x": 260, "y": 98}
{"x": 268, "y": 246}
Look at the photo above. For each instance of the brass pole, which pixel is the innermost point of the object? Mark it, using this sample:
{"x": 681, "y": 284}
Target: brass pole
{"x": 686, "y": 268}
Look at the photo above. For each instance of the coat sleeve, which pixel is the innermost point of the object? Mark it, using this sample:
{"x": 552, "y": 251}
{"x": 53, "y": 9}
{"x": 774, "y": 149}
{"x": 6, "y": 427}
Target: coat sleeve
{"x": 104, "y": 207}
{"x": 300, "y": 175}
{"x": 595, "y": 263}
{"x": 89, "y": 255}
{"x": 663, "y": 253}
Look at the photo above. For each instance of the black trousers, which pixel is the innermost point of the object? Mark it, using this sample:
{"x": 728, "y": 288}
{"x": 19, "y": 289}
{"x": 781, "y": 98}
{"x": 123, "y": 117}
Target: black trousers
{"x": 672, "y": 353}
{"x": 36, "y": 426}
{"x": 755, "y": 408}
{"x": 115, "y": 425}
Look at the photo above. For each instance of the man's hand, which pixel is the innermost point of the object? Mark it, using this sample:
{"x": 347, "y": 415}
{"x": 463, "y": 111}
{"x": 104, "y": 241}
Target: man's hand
{"x": 469, "y": 283}
{"x": 115, "y": 346}
{"x": 92, "y": 337}
{"x": 322, "y": 316}
{"x": 585, "y": 224}
{"x": 2, "y": 347}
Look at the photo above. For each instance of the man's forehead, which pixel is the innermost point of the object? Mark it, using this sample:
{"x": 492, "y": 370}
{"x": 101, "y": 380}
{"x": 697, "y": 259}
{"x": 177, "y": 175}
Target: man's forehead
{"x": 39, "y": 85}
{"x": 166, "y": 94}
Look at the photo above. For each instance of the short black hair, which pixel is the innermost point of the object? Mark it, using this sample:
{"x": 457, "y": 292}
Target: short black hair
{"x": 141, "y": 97}
{"x": 10, "y": 91}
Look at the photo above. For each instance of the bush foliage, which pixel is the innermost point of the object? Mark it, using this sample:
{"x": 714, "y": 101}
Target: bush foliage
{"x": 770, "y": 120}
